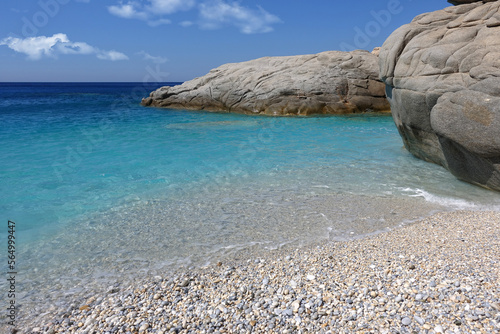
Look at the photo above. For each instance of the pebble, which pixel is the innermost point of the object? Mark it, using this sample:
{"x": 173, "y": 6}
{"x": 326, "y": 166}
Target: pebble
{"x": 361, "y": 285}
{"x": 184, "y": 283}
{"x": 419, "y": 320}
{"x": 439, "y": 329}
{"x": 295, "y": 306}
{"x": 113, "y": 289}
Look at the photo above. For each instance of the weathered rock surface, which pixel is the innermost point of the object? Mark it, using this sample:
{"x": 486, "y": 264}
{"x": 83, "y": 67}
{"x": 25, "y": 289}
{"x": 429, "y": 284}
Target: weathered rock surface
{"x": 462, "y": 2}
{"x": 331, "y": 82}
{"x": 442, "y": 75}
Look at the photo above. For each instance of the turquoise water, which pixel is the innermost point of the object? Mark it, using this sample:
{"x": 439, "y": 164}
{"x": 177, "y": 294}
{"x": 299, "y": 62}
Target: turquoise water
{"x": 72, "y": 150}
{"x": 99, "y": 186}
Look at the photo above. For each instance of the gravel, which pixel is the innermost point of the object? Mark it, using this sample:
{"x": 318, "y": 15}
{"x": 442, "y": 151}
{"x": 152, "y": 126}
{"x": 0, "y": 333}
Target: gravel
{"x": 439, "y": 275}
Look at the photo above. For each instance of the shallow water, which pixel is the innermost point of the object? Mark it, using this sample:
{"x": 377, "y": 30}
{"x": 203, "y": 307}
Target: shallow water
{"x": 102, "y": 189}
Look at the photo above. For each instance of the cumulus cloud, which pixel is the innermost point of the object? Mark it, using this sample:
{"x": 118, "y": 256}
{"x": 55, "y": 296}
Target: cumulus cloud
{"x": 150, "y": 10}
{"x": 128, "y": 11}
{"x": 154, "y": 59}
{"x": 212, "y": 14}
{"x": 217, "y": 13}
{"x": 43, "y": 46}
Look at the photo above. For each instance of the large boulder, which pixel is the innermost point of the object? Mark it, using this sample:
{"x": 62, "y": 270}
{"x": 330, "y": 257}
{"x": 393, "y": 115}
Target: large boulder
{"x": 442, "y": 75}
{"x": 462, "y": 2}
{"x": 331, "y": 82}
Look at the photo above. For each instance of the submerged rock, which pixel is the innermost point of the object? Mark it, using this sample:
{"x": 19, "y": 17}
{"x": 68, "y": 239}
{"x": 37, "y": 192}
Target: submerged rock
{"x": 442, "y": 75}
{"x": 331, "y": 82}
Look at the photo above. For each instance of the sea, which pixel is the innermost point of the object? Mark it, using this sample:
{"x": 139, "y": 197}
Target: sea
{"x": 103, "y": 190}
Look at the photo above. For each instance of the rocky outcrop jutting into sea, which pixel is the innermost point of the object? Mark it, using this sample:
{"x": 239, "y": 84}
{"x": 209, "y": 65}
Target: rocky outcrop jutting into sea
{"x": 442, "y": 75}
{"x": 331, "y": 82}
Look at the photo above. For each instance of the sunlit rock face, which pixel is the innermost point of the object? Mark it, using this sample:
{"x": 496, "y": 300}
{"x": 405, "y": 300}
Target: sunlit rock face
{"x": 331, "y": 82}
{"x": 442, "y": 75}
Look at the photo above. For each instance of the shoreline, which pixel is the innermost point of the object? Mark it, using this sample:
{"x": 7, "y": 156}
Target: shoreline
{"x": 440, "y": 274}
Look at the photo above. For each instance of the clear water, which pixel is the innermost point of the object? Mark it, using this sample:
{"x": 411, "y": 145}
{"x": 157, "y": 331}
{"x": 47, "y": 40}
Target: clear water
{"x": 102, "y": 188}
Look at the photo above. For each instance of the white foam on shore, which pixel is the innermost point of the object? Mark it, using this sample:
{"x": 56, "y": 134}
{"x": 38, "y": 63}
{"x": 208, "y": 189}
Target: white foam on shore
{"x": 452, "y": 203}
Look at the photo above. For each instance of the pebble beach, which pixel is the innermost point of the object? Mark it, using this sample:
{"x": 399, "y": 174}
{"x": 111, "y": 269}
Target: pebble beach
{"x": 172, "y": 219}
{"x": 437, "y": 275}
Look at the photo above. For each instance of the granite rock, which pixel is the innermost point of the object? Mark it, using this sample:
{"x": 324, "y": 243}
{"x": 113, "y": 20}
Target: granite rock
{"x": 462, "y": 2}
{"x": 442, "y": 75}
{"x": 331, "y": 82}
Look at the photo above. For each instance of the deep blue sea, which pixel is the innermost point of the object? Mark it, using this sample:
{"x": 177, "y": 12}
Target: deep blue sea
{"x": 102, "y": 188}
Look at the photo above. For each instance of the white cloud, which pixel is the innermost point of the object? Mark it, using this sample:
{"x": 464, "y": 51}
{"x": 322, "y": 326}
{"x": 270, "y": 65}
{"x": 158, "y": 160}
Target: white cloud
{"x": 170, "y": 6}
{"x": 154, "y": 59}
{"x": 150, "y": 11}
{"x": 37, "y": 47}
{"x": 186, "y": 24}
{"x": 212, "y": 14}
{"x": 77, "y": 48}
{"x": 128, "y": 11}
{"x": 217, "y": 13}
{"x": 111, "y": 55}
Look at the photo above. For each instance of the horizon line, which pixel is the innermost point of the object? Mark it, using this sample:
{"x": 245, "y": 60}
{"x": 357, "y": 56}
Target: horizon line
{"x": 145, "y": 83}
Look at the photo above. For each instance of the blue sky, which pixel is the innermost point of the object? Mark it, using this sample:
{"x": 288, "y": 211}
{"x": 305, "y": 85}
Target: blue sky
{"x": 177, "y": 40}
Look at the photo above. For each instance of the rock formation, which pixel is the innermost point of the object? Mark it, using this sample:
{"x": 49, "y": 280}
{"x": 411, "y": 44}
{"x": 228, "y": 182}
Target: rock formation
{"x": 330, "y": 82}
{"x": 463, "y": 2}
{"x": 442, "y": 75}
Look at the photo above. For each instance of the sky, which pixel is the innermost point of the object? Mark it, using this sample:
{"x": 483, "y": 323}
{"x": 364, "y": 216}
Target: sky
{"x": 178, "y": 40}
